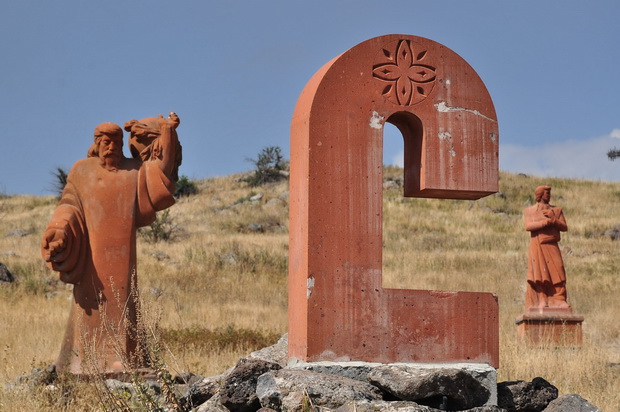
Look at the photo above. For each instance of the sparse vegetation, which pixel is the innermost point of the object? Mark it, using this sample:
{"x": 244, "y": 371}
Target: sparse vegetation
{"x": 60, "y": 180}
{"x": 270, "y": 166}
{"x": 162, "y": 229}
{"x": 222, "y": 289}
{"x": 185, "y": 187}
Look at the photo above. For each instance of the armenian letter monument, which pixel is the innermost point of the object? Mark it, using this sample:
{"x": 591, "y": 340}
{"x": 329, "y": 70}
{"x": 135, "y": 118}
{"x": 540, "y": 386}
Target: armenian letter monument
{"x": 338, "y": 309}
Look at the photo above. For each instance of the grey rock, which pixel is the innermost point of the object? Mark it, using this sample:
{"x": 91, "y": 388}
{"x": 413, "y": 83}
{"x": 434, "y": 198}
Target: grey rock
{"x": 613, "y": 233}
{"x": 277, "y": 353}
{"x": 287, "y": 389}
{"x": 200, "y": 392}
{"x": 384, "y": 406}
{"x": 238, "y": 391}
{"x": 521, "y": 396}
{"x": 159, "y": 255}
{"x": 5, "y": 275}
{"x": 17, "y": 233}
{"x": 353, "y": 370}
{"x": 39, "y": 377}
{"x": 571, "y": 403}
{"x": 212, "y": 405}
{"x": 455, "y": 388}
{"x": 256, "y": 227}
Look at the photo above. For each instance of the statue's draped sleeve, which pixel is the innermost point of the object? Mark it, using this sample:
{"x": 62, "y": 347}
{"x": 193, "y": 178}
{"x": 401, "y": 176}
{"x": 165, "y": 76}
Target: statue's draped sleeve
{"x": 155, "y": 192}
{"x": 69, "y": 217}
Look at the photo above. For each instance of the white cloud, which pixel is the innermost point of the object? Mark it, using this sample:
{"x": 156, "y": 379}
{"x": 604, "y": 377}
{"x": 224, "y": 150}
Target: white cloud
{"x": 581, "y": 159}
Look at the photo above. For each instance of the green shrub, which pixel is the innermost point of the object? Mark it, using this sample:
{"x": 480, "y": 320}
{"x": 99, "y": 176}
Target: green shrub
{"x": 185, "y": 187}
{"x": 270, "y": 166}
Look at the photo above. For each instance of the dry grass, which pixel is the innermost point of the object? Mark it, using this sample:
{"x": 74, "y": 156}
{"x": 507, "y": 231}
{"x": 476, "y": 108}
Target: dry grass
{"x": 221, "y": 281}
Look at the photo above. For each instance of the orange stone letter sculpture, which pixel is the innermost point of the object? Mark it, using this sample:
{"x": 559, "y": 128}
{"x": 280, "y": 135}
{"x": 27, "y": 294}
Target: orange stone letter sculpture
{"x": 91, "y": 240}
{"x": 338, "y": 309}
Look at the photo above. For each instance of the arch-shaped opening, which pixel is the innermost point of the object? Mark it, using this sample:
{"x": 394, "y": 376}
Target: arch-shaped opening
{"x": 411, "y": 128}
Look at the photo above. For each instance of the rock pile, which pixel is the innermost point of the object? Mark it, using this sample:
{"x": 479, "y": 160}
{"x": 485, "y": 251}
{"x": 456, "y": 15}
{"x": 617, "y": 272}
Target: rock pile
{"x": 263, "y": 382}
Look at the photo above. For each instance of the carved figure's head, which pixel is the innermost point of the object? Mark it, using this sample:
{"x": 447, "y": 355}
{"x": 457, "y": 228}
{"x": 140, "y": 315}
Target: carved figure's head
{"x": 142, "y": 133}
{"x": 543, "y": 193}
{"x": 108, "y": 145}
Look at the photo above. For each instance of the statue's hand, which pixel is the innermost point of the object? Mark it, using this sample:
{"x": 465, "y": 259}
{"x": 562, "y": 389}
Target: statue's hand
{"x": 54, "y": 243}
{"x": 171, "y": 121}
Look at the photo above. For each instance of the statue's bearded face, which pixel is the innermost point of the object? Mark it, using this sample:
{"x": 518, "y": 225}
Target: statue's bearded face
{"x": 110, "y": 151}
{"x": 546, "y": 197}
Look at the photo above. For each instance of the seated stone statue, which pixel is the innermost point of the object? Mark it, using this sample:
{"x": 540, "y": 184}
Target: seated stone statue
{"x": 91, "y": 242}
{"x": 546, "y": 277}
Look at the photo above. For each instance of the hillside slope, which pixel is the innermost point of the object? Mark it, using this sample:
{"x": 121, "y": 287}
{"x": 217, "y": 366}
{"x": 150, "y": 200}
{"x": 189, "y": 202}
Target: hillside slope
{"x": 218, "y": 287}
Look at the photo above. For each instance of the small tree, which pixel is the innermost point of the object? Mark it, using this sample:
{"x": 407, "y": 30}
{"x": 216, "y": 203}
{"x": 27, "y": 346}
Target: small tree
{"x": 270, "y": 166}
{"x": 185, "y": 187}
{"x": 60, "y": 180}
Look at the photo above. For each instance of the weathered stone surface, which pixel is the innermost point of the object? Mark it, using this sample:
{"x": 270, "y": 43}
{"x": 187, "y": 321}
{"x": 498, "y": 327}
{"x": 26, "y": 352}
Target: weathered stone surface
{"x": 201, "y": 391}
{"x": 17, "y": 233}
{"x": 383, "y": 406}
{"x": 5, "y": 275}
{"x": 213, "y": 405}
{"x": 287, "y": 389}
{"x": 450, "y": 135}
{"x": 521, "y": 396}
{"x": 91, "y": 240}
{"x": 352, "y": 370}
{"x": 277, "y": 353}
{"x": 238, "y": 391}
{"x": 38, "y": 377}
{"x": 571, "y": 403}
{"x": 430, "y": 386}
{"x": 402, "y": 406}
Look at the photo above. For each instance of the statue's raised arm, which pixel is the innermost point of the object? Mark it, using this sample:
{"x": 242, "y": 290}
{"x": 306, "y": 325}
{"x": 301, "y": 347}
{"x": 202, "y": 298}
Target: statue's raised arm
{"x": 155, "y": 139}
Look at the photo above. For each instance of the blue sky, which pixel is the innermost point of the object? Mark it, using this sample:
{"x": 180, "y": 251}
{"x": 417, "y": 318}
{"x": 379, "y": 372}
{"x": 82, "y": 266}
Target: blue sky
{"x": 233, "y": 71}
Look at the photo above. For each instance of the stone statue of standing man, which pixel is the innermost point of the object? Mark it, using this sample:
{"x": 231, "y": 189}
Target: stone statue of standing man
{"x": 91, "y": 240}
{"x": 546, "y": 277}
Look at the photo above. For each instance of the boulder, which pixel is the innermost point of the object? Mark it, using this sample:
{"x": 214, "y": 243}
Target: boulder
{"x": 571, "y": 403}
{"x": 277, "y": 353}
{"x": 402, "y": 406}
{"x": 451, "y": 388}
{"x": 238, "y": 392}
{"x": 200, "y": 392}
{"x": 521, "y": 396}
{"x": 287, "y": 389}
{"x": 5, "y": 275}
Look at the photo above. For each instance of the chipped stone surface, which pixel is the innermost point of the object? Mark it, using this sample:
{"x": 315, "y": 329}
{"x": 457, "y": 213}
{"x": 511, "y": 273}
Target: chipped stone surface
{"x": 336, "y": 190}
{"x": 571, "y": 403}
{"x": 286, "y": 389}
{"x": 455, "y": 388}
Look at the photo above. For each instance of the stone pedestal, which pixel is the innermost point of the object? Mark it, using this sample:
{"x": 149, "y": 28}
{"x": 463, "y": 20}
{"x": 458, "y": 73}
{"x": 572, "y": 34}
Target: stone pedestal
{"x": 557, "y": 327}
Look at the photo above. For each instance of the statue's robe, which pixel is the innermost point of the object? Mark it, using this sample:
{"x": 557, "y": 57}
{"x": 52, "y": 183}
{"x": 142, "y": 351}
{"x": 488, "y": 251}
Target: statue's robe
{"x": 546, "y": 276}
{"x": 101, "y": 209}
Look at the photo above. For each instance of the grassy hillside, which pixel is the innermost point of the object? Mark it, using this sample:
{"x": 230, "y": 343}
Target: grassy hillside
{"x": 218, "y": 288}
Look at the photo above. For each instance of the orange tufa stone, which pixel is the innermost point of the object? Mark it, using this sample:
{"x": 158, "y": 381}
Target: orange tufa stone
{"x": 91, "y": 242}
{"x": 338, "y": 309}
